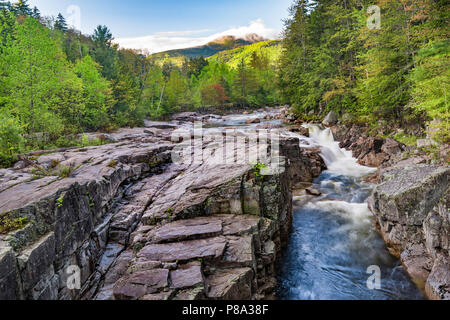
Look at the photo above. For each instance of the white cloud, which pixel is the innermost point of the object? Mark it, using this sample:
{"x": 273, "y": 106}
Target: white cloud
{"x": 164, "y": 41}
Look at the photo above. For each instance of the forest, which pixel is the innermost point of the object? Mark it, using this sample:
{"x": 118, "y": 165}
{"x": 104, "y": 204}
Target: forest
{"x": 57, "y": 83}
{"x": 394, "y": 76}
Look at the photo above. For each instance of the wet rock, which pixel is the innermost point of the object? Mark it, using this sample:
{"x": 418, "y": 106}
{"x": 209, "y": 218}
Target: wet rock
{"x": 240, "y": 252}
{"x": 252, "y": 121}
{"x": 36, "y": 262}
{"x": 186, "y": 116}
{"x": 370, "y": 151}
{"x": 313, "y": 192}
{"x": 300, "y": 130}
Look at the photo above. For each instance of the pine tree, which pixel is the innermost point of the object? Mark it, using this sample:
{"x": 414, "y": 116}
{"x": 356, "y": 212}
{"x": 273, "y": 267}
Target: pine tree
{"x": 36, "y": 13}
{"x": 60, "y": 23}
{"x": 102, "y": 36}
{"x": 21, "y": 8}
{"x": 5, "y": 5}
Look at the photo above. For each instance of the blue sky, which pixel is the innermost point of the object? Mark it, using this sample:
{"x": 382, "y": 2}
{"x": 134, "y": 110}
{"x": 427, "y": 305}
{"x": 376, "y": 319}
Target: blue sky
{"x": 159, "y": 25}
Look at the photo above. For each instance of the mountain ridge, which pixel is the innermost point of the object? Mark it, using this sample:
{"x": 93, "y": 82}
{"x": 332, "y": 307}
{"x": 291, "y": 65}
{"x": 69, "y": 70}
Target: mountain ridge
{"x": 224, "y": 43}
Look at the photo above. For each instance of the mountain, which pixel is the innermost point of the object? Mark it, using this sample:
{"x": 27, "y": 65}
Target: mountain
{"x": 218, "y": 45}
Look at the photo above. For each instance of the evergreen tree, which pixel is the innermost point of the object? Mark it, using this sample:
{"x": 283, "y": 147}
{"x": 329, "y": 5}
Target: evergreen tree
{"x": 102, "y": 36}
{"x": 36, "y": 13}
{"x": 104, "y": 53}
{"x": 60, "y": 23}
{"x": 5, "y": 5}
{"x": 21, "y": 8}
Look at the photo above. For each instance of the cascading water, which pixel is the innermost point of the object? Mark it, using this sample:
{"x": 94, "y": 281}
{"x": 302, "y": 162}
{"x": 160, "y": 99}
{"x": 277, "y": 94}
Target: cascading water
{"x": 334, "y": 242}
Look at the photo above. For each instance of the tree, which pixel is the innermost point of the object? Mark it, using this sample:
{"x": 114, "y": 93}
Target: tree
{"x": 102, "y": 36}
{"x": 194, "y": 66}
{"x": 60, "y": 23}
{"x": 245, "y": 84}
{"x": 41, "y": 89}
{"x": 97, "y": 94}
{"x": 103, "y": 52}
{"x": 5, "y": 5}
{"x": 176, "y": 93}
{"x": 36, "y": 13}
{"x": 431, "y": 86}
{"x": 259, "y": 61}
{"x": 214, "y": 95}
{"x": 21, "y": 8}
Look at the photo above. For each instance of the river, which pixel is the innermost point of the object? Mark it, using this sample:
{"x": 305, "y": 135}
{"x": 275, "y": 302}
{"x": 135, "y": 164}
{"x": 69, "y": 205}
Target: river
{"x": 333, "y": 241}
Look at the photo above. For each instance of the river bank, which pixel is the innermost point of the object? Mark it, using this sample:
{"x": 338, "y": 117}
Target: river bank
{"x": 137, "y": 225}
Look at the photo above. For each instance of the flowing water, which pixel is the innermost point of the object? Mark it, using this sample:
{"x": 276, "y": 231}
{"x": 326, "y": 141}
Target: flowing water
{"x": 334, "y": 242}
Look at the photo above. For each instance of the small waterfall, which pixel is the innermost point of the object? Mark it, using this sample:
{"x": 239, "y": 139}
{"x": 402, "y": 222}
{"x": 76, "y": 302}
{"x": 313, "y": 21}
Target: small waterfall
{"x": 338, "y": 160}
{"x": 333, "y": 240}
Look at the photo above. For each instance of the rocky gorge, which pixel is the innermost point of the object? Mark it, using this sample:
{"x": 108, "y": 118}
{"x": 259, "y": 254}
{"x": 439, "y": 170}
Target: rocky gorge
{"x": 132, "y": 224}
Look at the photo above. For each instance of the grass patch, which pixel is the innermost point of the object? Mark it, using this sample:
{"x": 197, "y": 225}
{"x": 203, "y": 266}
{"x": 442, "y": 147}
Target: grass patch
{"x": 406, "y": 139}
{"x": 9, "y": 224}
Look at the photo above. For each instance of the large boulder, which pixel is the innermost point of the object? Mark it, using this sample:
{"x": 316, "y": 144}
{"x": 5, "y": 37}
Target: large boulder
{"x": 330, "y": 120}
{"x": 411, "y": 208}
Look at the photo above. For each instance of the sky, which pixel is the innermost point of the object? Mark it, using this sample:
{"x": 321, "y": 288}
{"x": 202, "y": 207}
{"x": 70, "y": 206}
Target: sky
{"x": 160, "y": 25}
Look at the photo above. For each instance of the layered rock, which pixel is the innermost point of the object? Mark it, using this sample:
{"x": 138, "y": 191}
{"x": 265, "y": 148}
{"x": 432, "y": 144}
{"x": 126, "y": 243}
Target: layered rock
{"x": 138, "y": 226}
{"x": 370, "y": 151}
{"x": 411, "y": 207}
{"x": 68, "y": 219}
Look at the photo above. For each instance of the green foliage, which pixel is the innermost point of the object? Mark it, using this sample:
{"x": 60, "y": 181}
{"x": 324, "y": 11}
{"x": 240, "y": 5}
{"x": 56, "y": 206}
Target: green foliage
{"x": 8, "y": 223}
{"x": 65, "y": 172}
{"x": 59, "y": 201}
{"x": 333, "y": 61}
{"x": 11, "y": 141}
{"x": 258, "y": 168}
{"x": 60, "y": 23}
{"x": 431, "y": 86}
{"x": 406, "y": 139}
{"x": 271, "y": 50}
{"x": 97, "y": 94}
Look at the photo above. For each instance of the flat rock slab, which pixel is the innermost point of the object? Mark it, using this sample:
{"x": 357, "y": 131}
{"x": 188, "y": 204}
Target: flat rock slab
{"x": 204, "y": 227}
{"x": 409, "y": 194}
{"x": 140, "y": 284}
{"x": 230, "y": 284}
{"x": 240, "y": 252}
{"x": 212, "y": 248}
{"x": 401, "y": 180}
{"x": 240, "y": 225}
{"x": 187, "y": 276}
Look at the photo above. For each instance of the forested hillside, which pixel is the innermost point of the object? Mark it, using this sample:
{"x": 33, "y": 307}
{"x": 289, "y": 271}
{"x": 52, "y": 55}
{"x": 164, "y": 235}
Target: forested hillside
{"x": 56, "y": 82}
{"x": 393, "y": 76}
{"x": 270, "y": 49}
